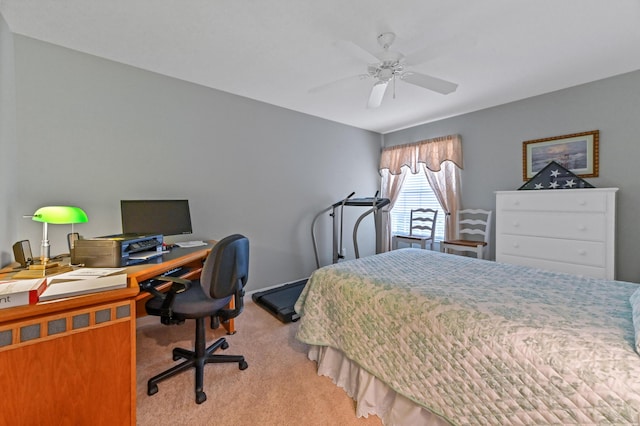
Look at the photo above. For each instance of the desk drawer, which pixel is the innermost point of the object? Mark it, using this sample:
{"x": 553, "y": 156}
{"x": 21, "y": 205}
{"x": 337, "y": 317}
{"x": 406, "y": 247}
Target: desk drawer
{"x": 573, "y": 226}
{"x": 571, "y": 251}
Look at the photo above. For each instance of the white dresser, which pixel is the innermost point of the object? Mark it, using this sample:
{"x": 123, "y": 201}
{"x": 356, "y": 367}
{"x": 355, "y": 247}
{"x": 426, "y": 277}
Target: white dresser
{"x": 564, "y": 230}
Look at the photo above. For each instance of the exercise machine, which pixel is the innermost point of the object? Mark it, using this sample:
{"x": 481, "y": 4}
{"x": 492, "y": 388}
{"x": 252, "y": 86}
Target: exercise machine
{"x": 375, "y": 205}
{"x": 280, "y": 301}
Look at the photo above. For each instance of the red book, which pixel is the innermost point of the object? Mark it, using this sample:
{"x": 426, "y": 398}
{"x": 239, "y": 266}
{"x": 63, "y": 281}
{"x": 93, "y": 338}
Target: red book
{"x": 21, "y": 292}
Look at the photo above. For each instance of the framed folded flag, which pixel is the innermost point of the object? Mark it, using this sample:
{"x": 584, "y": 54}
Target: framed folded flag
{"x": 554, "y": 176}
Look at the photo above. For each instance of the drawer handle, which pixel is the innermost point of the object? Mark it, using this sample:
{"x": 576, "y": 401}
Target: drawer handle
{"x": 582, "y": 252}
{"x": 516, "y": 245}
{"x": 581, "y": 228}
{"x": 516, "y": 203}
{"x": 516, "y": 224}
{"x": 582, "y": 202}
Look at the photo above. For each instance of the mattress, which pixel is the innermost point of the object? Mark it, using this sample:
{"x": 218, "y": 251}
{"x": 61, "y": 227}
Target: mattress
{"x": 479, "y": 342}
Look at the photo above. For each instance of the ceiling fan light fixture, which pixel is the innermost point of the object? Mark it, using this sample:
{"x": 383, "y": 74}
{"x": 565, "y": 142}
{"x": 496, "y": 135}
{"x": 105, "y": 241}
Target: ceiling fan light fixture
{"x": 385, "y": 74}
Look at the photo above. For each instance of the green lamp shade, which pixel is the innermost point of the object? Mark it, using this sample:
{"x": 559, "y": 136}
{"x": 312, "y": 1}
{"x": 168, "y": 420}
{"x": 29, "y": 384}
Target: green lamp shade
{"x": 60, "y": 215}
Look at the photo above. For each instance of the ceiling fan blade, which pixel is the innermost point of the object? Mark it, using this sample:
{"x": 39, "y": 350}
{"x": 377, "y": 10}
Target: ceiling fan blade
{"x": 377, "y": 93}
{"x": 356, "y": 51}
{"x": 338, "y": 83}
{"x": 429, "y": 82}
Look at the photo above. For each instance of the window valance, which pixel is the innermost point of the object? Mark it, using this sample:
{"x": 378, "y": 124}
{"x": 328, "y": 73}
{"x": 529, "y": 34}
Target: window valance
{"x": 431, "y": 152}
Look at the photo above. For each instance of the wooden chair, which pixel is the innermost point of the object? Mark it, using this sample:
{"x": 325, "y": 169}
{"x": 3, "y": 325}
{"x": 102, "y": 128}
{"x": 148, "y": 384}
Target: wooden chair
{"x": 474, "y": 231}
{"x": 421, "y": 220}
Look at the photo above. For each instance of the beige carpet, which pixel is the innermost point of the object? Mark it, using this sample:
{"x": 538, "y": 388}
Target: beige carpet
{"x": 280, "y": 387}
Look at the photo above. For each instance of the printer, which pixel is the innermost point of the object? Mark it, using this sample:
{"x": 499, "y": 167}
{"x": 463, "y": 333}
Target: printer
{"x": 113, "y": 251}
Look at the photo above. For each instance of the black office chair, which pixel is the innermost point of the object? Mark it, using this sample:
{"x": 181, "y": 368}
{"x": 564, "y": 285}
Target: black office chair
{"x": 223, "y": 276}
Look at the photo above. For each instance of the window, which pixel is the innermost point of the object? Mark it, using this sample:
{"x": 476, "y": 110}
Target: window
{"x": 415, "y": 193}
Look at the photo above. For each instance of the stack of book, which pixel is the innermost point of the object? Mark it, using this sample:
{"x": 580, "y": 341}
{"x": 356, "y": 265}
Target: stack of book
{"x": 21, "y": 292}
{"x": 18, "y": 292}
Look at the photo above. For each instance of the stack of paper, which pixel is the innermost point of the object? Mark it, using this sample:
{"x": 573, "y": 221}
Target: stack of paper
{"x": 85, "y": 273}
{"x": 66, "y": 287}
{"x": 187, "y": 244}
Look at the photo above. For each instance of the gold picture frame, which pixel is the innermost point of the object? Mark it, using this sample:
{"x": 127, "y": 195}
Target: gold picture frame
{"x": 577, "y": 152}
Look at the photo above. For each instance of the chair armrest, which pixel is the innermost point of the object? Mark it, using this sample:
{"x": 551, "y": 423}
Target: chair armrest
{"x": 178, "y": 285}
{"x": 238, "y": 296}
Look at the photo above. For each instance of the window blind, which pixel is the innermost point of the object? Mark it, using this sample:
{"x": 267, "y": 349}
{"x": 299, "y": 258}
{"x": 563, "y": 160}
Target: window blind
{"x": 415, "y": 193}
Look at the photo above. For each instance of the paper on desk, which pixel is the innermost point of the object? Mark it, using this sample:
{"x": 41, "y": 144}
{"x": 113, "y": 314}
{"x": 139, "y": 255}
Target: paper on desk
{"x": 145, "y": 255}
{"x": 185, "y": 244}
{"x": 59, "y": 289}
{"x": 84, "y": 273}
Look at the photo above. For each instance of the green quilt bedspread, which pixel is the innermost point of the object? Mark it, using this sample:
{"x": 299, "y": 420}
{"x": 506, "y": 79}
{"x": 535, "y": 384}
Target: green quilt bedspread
{"x": 479, "y": 342}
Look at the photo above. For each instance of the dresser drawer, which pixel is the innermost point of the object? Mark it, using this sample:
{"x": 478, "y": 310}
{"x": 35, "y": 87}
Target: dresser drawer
{"x": 566, "y": 230}
{"x": 568, "y": 268}
{"x": 574, "y": 226}
{"x": 579, "y": 200}
{"x": 558, "y": 250}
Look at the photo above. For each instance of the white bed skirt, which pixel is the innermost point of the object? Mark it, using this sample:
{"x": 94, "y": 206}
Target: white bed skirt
{"x": 372, "y": 396}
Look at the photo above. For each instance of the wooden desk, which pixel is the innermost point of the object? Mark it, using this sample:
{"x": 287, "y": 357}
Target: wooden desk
{"x": 70, "y": 361}
{"x": 74, "y": 359}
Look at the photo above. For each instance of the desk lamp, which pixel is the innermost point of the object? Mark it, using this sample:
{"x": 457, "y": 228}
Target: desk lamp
{"x": 56, "y": 215}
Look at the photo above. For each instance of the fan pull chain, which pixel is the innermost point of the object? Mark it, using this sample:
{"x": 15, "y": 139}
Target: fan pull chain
{"x": 394, "y": 87}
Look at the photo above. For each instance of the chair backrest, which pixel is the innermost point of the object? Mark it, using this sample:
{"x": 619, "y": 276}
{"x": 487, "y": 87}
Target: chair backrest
{"x": 423, "y": 220}
{"x": 226, "y": 269}
{"x": 474, "y": 224}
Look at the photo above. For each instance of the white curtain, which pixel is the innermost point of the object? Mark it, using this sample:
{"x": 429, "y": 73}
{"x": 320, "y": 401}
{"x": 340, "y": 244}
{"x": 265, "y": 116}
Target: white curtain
{"x": 441, "y": 159}
{"x": 445, "y": 184}
{"x": 390, "y": 188}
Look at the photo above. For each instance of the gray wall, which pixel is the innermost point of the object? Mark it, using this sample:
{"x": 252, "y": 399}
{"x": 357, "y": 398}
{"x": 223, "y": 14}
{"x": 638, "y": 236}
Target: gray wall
{"x": 7, "y": 143}
{"x": 91, "y": 132}
{"x": 81, "y": 130}
{"x": 492, "y": 144}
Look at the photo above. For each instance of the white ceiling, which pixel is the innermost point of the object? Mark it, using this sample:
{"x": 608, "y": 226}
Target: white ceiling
{"x": 275, "y": 51}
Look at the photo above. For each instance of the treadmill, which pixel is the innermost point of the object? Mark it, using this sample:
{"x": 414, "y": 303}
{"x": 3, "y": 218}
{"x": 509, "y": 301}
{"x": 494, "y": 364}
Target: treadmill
{"x": 280, "y": 301}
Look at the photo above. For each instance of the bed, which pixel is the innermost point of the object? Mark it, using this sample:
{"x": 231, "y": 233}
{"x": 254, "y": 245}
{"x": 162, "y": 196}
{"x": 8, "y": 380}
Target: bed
{"x": 422, "y": 337}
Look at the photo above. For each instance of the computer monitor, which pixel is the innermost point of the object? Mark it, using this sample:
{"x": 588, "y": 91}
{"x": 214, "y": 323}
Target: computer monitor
{"x": 153, "y": 217}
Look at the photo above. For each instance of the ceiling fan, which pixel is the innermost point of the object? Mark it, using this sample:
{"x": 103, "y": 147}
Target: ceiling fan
{"x": 386, "y": 67}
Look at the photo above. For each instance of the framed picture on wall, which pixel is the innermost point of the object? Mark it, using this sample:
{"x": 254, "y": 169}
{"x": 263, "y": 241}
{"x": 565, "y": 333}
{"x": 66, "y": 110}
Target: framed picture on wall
{"x": 578, "y": 152}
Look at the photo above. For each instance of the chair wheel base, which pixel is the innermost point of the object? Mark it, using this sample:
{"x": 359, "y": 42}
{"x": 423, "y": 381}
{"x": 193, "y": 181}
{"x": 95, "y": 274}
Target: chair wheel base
{"x": 200, "y": 397}
{"x": 243, "y": 365}
{"x": 152, "y": 390}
